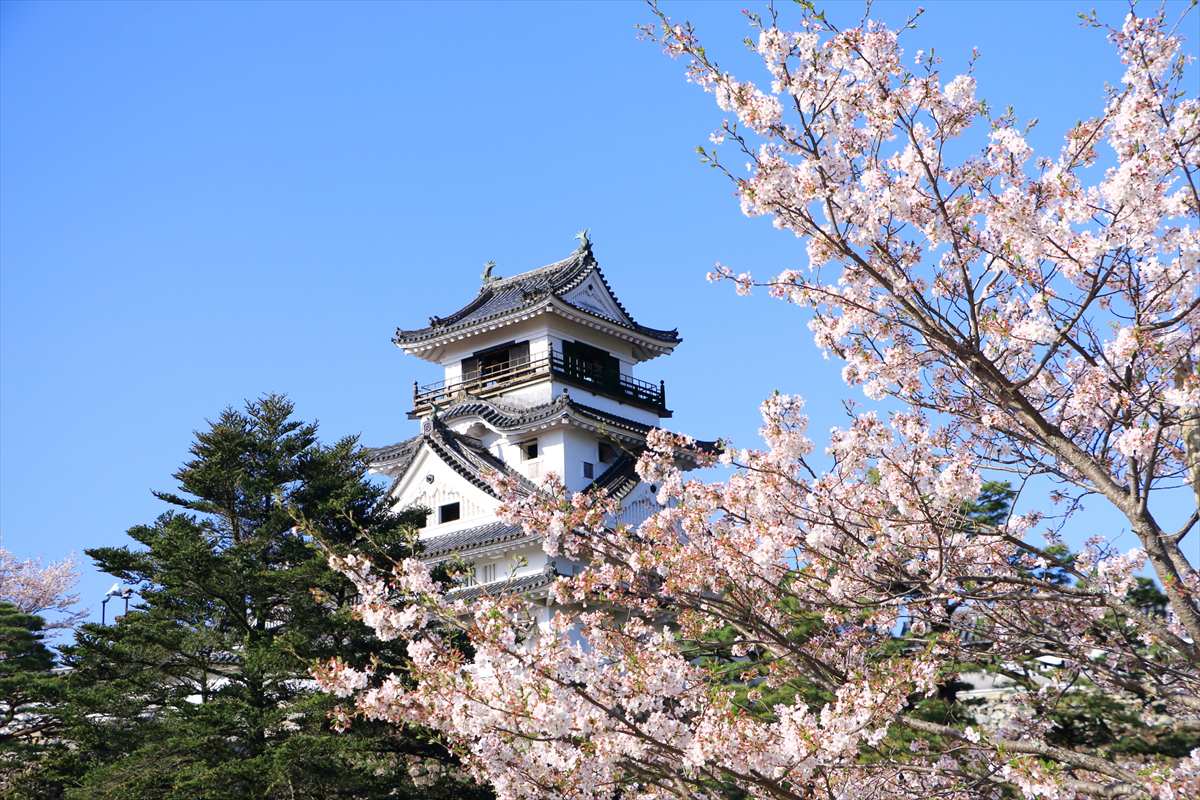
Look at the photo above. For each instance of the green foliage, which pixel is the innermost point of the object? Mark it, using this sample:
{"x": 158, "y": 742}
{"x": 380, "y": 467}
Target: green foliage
{"x": 27, "y": 688}
{"x": 1085, "y": 716}
{"x": 1082, "y": 717}
{"x": 1132, "y": 723}
{"x": 1147, "y": 597}
{"x": 992, "y": 506}
{"x": 202, "y": 691}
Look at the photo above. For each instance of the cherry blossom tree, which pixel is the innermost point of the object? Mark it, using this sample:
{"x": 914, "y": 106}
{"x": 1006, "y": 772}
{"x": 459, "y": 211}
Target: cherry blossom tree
{"x": 41, "y": 589}
{"x": 795, "y": 630}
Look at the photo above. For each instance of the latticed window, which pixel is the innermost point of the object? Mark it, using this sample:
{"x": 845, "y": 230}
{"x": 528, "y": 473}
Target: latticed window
{"x": 495, "y": 362}
{"x": 591, "y": 364}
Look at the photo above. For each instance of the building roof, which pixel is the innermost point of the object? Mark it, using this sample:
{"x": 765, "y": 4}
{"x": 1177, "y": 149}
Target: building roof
{"x": 543, "y": 286}
{"x": 507, "y": 418}
{"x": 470, "y": 538}
{"x": 620, "y": 478}
{"x": 466, "y": 455}
{"x": 522, "y": 585}
{"x": 394, "y": 459}
{"x": 469, "y": 458}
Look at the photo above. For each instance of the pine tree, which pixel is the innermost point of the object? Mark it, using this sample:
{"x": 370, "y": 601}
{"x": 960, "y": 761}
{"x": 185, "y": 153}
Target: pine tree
{"x": 202, "y": 691}
{"x": 27, "y": 689}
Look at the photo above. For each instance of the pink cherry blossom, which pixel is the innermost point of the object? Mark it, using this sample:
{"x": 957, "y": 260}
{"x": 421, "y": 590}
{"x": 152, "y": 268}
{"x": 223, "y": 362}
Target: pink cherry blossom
{"x": 41, "y": 589}
{"x": 1026, "y": 316}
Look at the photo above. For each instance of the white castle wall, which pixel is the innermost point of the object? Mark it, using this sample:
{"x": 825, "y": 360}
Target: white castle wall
{"x": 580, "y": 395}
{"x": 638, "y": 506}
{"x": 447, "y": 486}
{"x": 512, "y": 563}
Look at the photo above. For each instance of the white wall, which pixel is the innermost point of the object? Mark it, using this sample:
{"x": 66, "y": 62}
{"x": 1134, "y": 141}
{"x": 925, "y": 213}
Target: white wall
{"x": 580, "y": 446}
{"x": 475, "y": 505}
{"x": 533, "y": 331}
{"x": 638, "y": 506}
{"x": 604, "y": 403}
{"x": 516, "y": 563}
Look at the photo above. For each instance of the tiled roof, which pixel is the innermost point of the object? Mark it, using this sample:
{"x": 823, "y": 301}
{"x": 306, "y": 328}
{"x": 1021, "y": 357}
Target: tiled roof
{"x": 606, "y": 418}
{"x": 619, "y": 479}
{"x": 508, "y": 418}
{"x": 475, "y": 463}
{"x": 464, "y": 454}
{"x": 394, "y": 459}
{"x": 526, "y": 583}
{"x": 529, "y": 289}
{"x": 468, "y": 457}
{"x": 468, "y": 538}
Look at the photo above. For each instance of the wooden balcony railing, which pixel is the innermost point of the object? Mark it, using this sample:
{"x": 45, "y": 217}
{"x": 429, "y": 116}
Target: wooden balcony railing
{"x": 491, "y": 381}
{"x": 602, "y": 380}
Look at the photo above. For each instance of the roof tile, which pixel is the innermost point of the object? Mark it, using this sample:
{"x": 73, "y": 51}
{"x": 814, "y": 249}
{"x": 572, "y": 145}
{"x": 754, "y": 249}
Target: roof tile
{"x": 504, "y": 295}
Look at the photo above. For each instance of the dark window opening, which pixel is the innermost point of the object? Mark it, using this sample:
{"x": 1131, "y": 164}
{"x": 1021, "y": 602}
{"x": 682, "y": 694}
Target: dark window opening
{"x": 529, "y": 450}
{"x": 606, "y": 452}
{"x": 588, "y": 470}
{"x": 591, "y": 364}
{"x": 495, "y": 361}
{"x": 448, "y": 512}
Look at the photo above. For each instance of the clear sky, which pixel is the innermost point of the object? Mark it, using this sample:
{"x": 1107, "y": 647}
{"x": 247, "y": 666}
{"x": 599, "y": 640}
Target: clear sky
{"x": 202, "y": 202}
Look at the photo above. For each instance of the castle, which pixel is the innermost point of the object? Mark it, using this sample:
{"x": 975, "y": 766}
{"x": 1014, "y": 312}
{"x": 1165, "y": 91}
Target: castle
{"x": 538, "y": 378}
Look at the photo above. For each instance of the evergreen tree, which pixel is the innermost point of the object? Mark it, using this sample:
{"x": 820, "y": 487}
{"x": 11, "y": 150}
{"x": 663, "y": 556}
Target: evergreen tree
{"x": 27, "y": 689}
{"x": 202, "y": 691}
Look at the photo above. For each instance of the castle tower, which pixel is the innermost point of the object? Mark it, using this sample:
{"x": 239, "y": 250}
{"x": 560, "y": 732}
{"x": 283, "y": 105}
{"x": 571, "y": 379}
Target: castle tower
{"x": 538, "y": 378}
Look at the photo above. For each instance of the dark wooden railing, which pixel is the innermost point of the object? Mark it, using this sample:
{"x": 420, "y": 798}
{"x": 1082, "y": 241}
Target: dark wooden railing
{"x": 604, "y": 380}
{"x": 586, "y": 374}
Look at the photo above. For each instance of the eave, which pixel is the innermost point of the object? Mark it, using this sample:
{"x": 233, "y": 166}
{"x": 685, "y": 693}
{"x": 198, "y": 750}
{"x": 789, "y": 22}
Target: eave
{"x": 433, "y": 348}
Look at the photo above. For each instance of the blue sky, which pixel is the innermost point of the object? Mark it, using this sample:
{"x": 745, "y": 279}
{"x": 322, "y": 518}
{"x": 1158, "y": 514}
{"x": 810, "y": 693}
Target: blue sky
{"x": 203, "y": 202}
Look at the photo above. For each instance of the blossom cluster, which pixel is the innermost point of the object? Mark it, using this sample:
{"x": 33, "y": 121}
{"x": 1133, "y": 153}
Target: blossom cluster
{"x": 621, "y": 683}
{"x": 781, "y": 631}
{"x": 42, "y": 589}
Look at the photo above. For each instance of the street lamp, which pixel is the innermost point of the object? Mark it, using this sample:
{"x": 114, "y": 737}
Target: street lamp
{"x": 114, "y": 591}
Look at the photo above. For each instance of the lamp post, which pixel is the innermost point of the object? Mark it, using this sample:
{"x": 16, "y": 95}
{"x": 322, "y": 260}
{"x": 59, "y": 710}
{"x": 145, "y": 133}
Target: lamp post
{"x": 114, "y": 591}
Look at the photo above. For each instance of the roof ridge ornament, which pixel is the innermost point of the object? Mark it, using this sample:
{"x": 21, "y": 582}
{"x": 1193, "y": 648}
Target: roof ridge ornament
{"x": 487, "y": 277}
{"x": 585, "y": 243}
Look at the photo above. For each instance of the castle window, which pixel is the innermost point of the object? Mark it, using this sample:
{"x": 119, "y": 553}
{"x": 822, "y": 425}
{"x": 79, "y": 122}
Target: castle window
{"x": 589, "y": 364}
{"x": 589, "y": 471}
{"x": 607, "y": 453}
{"x": 495, "y": 363}
{"x": 529, "y": 450}
{"x": 487, "y": 573}
{"x": 448, "y": 512}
